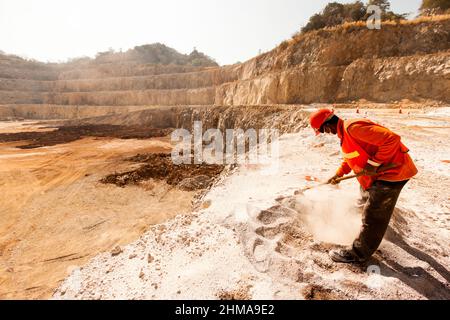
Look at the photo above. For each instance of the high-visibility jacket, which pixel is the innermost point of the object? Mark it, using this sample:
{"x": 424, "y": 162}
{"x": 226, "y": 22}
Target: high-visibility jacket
{"x": 363, "y": 141}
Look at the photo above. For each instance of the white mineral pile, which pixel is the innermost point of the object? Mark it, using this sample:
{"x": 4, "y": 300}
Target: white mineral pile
{"x": 253, "y": 239}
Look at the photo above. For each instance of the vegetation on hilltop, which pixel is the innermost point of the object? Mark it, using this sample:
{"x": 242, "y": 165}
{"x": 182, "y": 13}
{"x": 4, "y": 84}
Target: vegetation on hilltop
{"x": 336, "y": 13}
{"x": 432, "y": 7}
{"x": 157, "y": 53}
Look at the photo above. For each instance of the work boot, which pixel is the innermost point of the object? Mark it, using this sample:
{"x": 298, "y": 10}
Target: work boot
{"x": 345, "y": 256}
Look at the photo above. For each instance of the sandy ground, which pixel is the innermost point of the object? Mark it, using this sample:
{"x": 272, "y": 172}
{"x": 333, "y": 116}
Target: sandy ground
{"x": 23, "y": 126}
{"x": 55, "y": 215}
{"x": 253, "y": 239}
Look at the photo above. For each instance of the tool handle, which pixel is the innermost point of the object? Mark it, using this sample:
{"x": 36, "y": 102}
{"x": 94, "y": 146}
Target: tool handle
{"x": 347, "y": 177}
{"x": 382, "y": 167}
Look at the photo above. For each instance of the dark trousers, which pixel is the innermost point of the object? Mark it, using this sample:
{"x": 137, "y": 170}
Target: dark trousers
{"x": 381, "y": 199}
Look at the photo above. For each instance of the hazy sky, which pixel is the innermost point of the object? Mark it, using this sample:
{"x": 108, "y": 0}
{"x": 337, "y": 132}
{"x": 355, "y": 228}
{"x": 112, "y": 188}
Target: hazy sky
{"x": 227, "y": 30}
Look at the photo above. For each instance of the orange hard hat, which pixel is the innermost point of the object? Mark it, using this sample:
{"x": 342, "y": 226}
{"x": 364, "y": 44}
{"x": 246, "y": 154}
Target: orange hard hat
{"x": 319, "y": 117}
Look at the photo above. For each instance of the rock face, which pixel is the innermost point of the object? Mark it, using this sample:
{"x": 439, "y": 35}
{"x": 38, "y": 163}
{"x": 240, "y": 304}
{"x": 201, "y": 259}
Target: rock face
{"x": 426, "y": 77}
{"x": 409, "y": 60}
{"x": 401, "y": 61}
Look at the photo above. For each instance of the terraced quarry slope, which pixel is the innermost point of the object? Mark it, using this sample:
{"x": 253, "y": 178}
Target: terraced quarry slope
{"x": 344, "y": 64}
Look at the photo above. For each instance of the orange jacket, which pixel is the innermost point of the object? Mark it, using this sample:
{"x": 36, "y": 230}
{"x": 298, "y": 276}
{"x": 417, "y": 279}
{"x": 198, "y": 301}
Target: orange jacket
{"x": 379, "y": 146}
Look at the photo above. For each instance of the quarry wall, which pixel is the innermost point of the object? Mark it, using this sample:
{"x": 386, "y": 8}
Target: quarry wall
{"x": 401, "y": 61}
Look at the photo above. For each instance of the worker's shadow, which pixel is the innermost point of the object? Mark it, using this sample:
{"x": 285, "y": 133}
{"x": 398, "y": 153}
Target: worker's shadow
{"x": 416, "y": 277}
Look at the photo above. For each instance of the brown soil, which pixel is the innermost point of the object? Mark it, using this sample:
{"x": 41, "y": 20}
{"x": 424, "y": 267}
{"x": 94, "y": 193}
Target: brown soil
{"x": 66, "y": 134}
{"x": 241, "y": 293}
{"x": 317, "y": 292}
{"x": 160, "y": 166}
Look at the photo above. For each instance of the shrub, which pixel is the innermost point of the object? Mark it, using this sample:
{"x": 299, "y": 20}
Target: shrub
{"x": 431, "y": 7}
{"x": 317, "y": 21}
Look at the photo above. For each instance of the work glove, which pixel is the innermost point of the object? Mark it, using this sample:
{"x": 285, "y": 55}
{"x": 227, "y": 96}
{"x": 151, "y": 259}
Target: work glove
{"x": 369, "y": 170}
{"x": 333, "y": 180}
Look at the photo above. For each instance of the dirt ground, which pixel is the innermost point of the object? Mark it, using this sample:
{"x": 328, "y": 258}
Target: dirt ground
{"x": 55, "y": 214}
{"x": 160, "y": 166}
{"x": 48, "y": 136}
